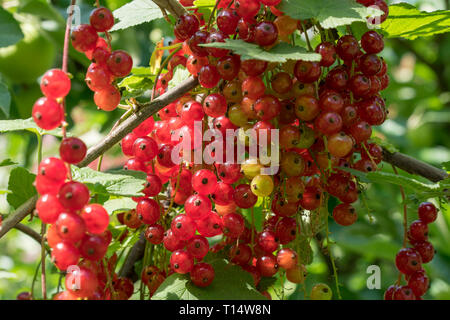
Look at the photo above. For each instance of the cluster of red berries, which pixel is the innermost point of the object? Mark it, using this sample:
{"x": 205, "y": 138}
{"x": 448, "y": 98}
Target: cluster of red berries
{"x": 106, "y": 66}
{"x": 324, "y": 120}
{"x": 409, "y": 260}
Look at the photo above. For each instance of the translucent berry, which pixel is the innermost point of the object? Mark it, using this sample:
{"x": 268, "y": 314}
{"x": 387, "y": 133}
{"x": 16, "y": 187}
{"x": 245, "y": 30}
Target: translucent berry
{"x": 72, "y": 150}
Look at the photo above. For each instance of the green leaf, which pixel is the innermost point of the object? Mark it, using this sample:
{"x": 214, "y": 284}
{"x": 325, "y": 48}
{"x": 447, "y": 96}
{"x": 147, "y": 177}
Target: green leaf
{"x": 265, "y": 283}
{"x": 40, "y": 8}
{"x": 446, "y": 166}
{"x": 180, "y": 74}
{"x": 406, "y": 21}
{"x": 329, "y": 13}
{"x": 20, "y": 185}
{"x": 7, "y": 162}
{"x": 26, "y": 124}
{"x": 384, "y": 144}
{"x": 10, "y": 29}
{"x": 205, "y": 7}
{"x": 136, "y": 85}
{"x": 125, "y": 183}
{"x": 136, "y": 12}
{"x": 258, "y": 217}
{"x": 280, "y": 53}
{"x": 410, "y": 183}
{"x": 119, "y": 204}
{"x": 5, "y": 99}
{"x": 230, "y": 283}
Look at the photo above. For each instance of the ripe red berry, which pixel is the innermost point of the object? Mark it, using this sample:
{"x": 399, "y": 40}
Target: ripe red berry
{"x": 418, "y": 282}
{"x": 287, "y": 258}
{"x": 81, "y": 282}
{"x": 181, "y": 261}
{"x": 47, "y": 113}
{"x": 186, "y": 26}
{"x": 215, "y": 105}
{"x": 267, "y": 265}
{"x": 120, "y": 63}
{"x": 65, "y": 254}
{"x": 72, "y": 150}
{"x": 197, "y": 206}
{"x": 96, "y": 218}
{"x": 84, "y": 37}
{"x": 268, "y": 241}
{"x": 53, "y": 169}
{"x": 427, "y": 212}
{"x": 227, "y": 21}
{"x": 101, "y": 19}
{"x": 148, "y": 211}
{"x": 408, "y": 261}
{"x": 154, "y": 234}
{"x": 202, "y": 274}
{"x": 48, "y": 208}
{"x": 344, "y": 214}
{"x": 244, "y": 197}
{"x": 307, "y": 71}
{"x": 98, "y": 77}
{"x": 197, "y": 246}
{"x": 372, "y": 42}
{"x": 70, "y": 227}
{"x": 73, "y": 195}
{"x": 425, "y": 250}
{"x": 208, "y": 76}
{"x": 204, "y": 181}
{"x": 183, "y": 227}
{"x": 266, "y": 33}
{"x": 107, "y": 99}
{"x": 93, "y": 247}
{"x": 145, "y": 149}
{"x": 328, "y": 53}
{"x": 403, "y": 293}
{"x": 233, "y": 225}
{"x": 55, "y": 84}
{"x": 211, "y": 225}
{"x": 418, "y": 231}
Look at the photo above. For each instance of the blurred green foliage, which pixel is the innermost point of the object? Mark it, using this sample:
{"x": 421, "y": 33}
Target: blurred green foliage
{"x": 418, "y": 125}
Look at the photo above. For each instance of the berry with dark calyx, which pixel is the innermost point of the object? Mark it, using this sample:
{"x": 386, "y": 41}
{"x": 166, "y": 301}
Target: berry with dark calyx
{"x": 403, "y": 293}
{"x": 215, "y": 105}
{"x": 240, "y": 254}
{"x": 211, "y": 225}
{"x": 107, "y": 99}
{"x": 70, "y": 227}
{"x": 227, "y": 21}
{"x": 389, "y": 293}
{"x": 127, "y": 144}
{"x": 148, "y": 211}
{"x": 98, "y": 77}
{"x": 197, "y": 206}
{"x": 204, "y": 181}
{"x": 296, "y": 274}
{"x": 93, "y": 247}
{"x": 84, "y": 37}
{"x": 418, "y": 231}
{"x": 286, "y": 230}
{"x": 370, "y": 64}
{"x": 65, "y": 254}
{"x": 233, "y": 225}
{"x": 244, "y": 197}
{"x": 247, "y": 9}
{"x": 154, "y": 234}
{"x": 202, "y": 274}
{"x": 321, "y": 292}
{"x": 53, "y": 169}
{"x": 427, "y": 212}
{"x": 344, "y": 214}
{"x": 267, "y": 265}
{"x": 183, "y": 227}
{"x": 120, "y": 63}
{"x": 372, "y": 42}
{"x": 418, "y": 282}
{"x": 181, "y": 261}
{"x": 254, "y": 67}
{"x": 55, "y": 84}
{"x": 47, "y": 113}
{"x": 408, "y": 261}
{"x": 347, "y": 48}
{"x": 186, "y": 26}
{"x": 213, "y": 37}
{"x": 228, "y": 67}
{"x": 195, "y": 40}
{"x": 197, "y": 246}
{"x": 307, "y": 71}
{"x": 101, "y": 19}
{"x": 425, "y": 249}
{"x": 73, "y": 195}
{"x": 287, "y": 258}
{"x": 145, "y": 149}
{"x": 72, "y": 150}
{"x": 266, "y": 33}
{"x": 328, "y": 53}
{"x": 171, "y": 242}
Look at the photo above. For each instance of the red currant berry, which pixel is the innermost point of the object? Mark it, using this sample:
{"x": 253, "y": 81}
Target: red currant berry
{"x": 210, "y": 226}
{"x": 93, "y": 247}
{"x": 183, "y": 227}
{"x": 96, "y": 218}
{"x": 202, "y": 274}
{"x": 181, "y": 261}
{"x": 418, "y": 231}
{"x": 425, "y": 250}
{"x": 65, "y": 254}
{"x": 418, "y": 282}
{"x": 70, "y": 227}
{"x": 48, "y": 208}
{"x": 84, "y": 38}
{"x": 233, "y": 225}
{"x": 73, "y": 195}
{"x": 47, "y": 113}
{"x": 107, "y": 99}
{"x": 120, "y": 63}
{"x": 154, "y": 234}
{"x": 427, "y": 212}
{"x": 408, "y": 261}
{"x": 287, "y": 258}
{"x": 267, "y": 265}
{"x": 148, "y": 211}
{"x": 372, "y": 42}
{"x": 72, "y": 150}
{"x": 145, "y": 149}
{"x": 204, "y": 181}
{"x": 268, "y": 241}
{"x": 81, "y": 282}
{"x": 186, "y": 26}
{"x": 55, "y": 84}
{"x": 198, "y": 246}
{"x": 208, "y": 76}
{"x": 101, "y": 19}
